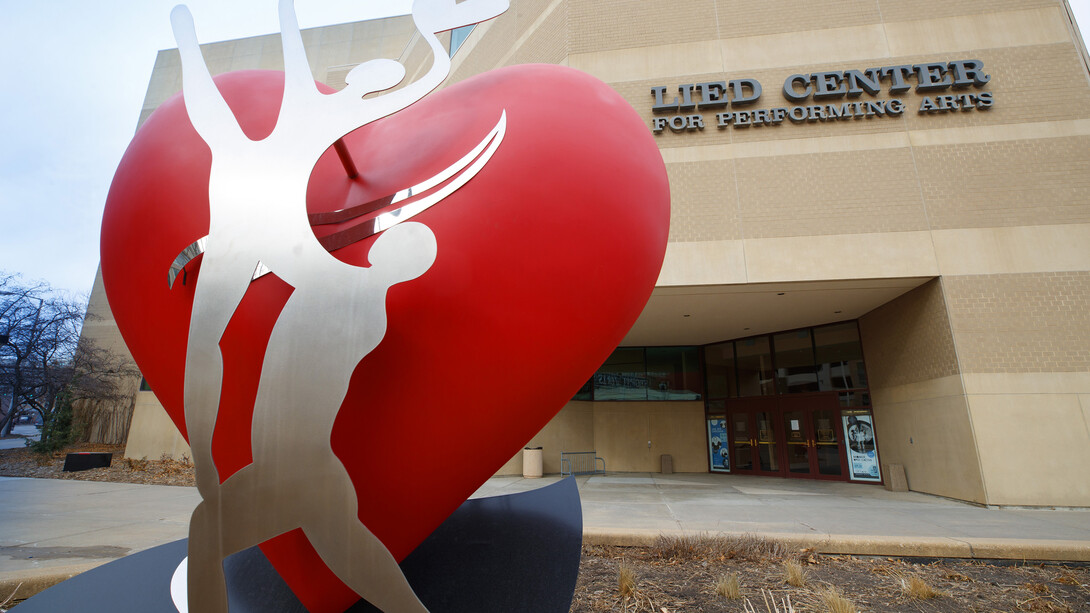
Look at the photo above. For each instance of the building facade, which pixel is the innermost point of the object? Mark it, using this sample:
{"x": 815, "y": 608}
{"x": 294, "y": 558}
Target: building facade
{"x": 879, "y": 245}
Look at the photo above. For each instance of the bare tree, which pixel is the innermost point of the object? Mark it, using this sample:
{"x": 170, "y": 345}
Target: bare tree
{"x": 44, "y": 367}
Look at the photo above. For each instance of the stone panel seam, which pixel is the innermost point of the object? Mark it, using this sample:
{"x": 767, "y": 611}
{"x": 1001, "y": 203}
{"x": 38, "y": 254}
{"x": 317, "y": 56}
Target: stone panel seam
{"x": 734, "y": 164}
{"x": 468, "y": 46}
{"x": 931, "y": 237}
{"x": 1082, "y": 410}
{"x": 1076, "y": 35}
{"x": 530, "y": 31}
{"x": 968, "y": 401}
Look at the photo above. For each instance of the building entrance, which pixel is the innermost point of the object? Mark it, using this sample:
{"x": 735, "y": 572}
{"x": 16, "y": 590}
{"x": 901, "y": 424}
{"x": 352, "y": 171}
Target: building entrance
{"x": 792, "y": 436}
{"x": 753, "y": 442}
{"x": 791, "y": 404}
{"x": 813, "y": 445}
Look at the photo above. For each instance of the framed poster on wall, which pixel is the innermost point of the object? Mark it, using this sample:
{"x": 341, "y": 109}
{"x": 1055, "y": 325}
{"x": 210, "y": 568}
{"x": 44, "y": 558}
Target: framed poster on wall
{"x": 718, "y": 448}
{"x": 862, "y": 450}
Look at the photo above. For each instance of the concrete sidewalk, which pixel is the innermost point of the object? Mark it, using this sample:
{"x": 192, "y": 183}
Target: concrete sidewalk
{"x": 53, "y": 529}
{"x": 831, "y": 517}
{"x": 22, "y": 433}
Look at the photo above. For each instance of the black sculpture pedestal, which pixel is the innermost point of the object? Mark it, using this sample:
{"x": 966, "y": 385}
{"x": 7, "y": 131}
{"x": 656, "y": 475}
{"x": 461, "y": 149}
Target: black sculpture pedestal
{"x": 518, "y": 552}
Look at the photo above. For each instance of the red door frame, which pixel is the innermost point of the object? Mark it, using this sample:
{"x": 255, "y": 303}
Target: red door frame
{"x": 808, "y": 405}
{"x": 750, "y": 407}
{"x": 776, "y": 406}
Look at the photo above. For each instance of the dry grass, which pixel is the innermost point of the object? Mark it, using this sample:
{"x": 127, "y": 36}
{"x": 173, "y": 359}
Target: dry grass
{"x": 835, "y": 602}
{"x": 728, "y": 586}
{"x": 956, "y": 576}
{"x": 771, "y": 606}
{"x": 794, "y": 574}
{"x": 719, "y": 548}
{"x": 865, "y": 584}
{"x": 916, "y": 588}
{"x": 1068, "y": 579}
{"x": 11, "y": 598}
{"x": 626, "y": 581}
{"x": 1037, "y": 588}
{"x": 135, "y": 465}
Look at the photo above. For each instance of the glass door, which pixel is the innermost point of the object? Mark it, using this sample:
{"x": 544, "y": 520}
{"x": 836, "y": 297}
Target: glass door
{"x": 755, "y": 436}
{"x": 800, "y": 459}
{"x": 814, "y": 443}
{"x": 742, "y": 442}
{"x": 831, "y": 459}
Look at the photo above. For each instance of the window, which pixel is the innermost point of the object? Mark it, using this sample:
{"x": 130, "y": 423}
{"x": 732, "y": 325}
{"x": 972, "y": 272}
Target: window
{"x": 623, "y": 376}
{"x": 719, "y": 370}
{"x": 795, "y": 362}
{"x": 585, "y": 392}
{"x": 754, "y": 360}
{"x": 646, "y": 373}
{"x": 673, "y": 373}
{"x": 459, "y": 36}
{"x": 839, "y": 357}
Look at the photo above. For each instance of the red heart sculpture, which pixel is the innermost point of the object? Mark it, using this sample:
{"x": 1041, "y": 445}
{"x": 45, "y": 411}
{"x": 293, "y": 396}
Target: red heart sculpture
{"x": 545, "y": 259}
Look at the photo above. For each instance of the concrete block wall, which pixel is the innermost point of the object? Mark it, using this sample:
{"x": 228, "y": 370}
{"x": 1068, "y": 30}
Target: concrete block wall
{"x": 620, "y": 432}
{"x": 921, "y": 415}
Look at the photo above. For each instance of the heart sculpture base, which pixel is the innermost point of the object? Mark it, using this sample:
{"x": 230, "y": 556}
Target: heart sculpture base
{"x": 518, "y": 552}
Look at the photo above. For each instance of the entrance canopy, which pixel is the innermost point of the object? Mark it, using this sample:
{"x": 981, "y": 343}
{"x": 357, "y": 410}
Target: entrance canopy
{"x": 699, "y": 315}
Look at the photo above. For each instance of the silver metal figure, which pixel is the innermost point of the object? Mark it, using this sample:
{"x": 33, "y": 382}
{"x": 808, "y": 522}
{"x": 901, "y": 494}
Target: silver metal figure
{"x": 334, "y": 317}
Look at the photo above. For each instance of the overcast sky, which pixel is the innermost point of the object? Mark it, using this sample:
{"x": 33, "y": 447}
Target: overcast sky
{"x": 72, "y": 81}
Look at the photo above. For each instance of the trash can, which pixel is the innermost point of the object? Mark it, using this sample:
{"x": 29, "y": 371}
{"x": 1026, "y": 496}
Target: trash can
{"x": 532, "y": 463}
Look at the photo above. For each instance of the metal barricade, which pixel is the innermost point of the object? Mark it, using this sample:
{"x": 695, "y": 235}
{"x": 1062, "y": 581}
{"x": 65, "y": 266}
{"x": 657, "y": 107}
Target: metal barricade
{"x": 581, "y": 463}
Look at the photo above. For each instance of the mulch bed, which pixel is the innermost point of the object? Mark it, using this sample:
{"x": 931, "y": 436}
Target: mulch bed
{"x": 682, "y": 574}
{"x": 25, "y": 463}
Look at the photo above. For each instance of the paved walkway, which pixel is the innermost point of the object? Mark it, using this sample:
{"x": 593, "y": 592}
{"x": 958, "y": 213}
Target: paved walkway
{"x": 829, "y": 516}
{"x": 18, "y": 442}
{"x": 55, "y": 528}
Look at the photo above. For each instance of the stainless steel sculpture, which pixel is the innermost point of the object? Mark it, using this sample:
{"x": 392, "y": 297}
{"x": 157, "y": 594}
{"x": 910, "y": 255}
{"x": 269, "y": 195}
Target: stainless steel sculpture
{"x": 334, "y": 317}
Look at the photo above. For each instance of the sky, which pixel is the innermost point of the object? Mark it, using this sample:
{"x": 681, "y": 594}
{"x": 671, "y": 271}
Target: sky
{"x": 72, "y": 81}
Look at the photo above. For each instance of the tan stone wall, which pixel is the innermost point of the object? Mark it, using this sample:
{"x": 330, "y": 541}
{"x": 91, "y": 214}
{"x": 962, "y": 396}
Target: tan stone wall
{"x": 807, "y": 195}
{"x": 544, "y": 33}
{"x": 1012, "y": 183}
{"x": 921, "y": 416}
{"x": 598, "y": 25}
{"x": 703, "y": 201}
{"x": 1034, "y": 447}
{"x": 622, "y": 431}
{"x": 1024, "y": 346}
{"x": 907, "y": 10}
{"x": 909, "y": 339}
{"x": 571, "y": 430}
{"x": 152, "y": 434}
{"x": 1023, "y": 323}
{"x": 619, "y": 433}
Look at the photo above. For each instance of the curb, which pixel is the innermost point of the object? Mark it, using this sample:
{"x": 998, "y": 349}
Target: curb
{"x": 26, "y": 583}
{"x": 913, "y": 547}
